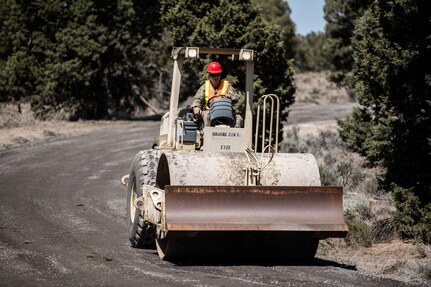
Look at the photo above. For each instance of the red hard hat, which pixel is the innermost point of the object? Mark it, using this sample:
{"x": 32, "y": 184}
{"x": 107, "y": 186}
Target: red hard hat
{"x": 214, "y": 68}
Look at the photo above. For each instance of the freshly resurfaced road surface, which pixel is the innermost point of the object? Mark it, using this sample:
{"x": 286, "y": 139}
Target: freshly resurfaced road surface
{"x": 63, "y": 223}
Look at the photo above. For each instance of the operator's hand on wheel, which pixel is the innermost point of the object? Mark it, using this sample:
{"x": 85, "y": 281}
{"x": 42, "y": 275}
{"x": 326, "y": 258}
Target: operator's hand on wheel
{"x": 197, "y": 112}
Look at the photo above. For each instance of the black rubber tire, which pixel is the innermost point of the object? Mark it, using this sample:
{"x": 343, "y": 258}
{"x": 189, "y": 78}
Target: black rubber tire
{"x": 143, "y": 171}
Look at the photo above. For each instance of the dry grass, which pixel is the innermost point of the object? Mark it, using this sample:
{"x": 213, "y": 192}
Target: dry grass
{"x": 18, "y": 126}
{"x": 396, "y": 259}
{"x": 314, "y": 88}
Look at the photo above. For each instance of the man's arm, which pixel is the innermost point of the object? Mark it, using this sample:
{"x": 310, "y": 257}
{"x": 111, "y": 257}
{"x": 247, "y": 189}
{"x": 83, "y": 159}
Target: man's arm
{"x": 237, "y": 99}
{"x": 232, "y": 93}
{"x": 198, "y": 100}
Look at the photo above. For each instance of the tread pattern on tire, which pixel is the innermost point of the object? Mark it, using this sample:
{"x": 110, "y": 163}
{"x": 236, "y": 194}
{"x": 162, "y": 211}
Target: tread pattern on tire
{"x": 144, "y": 167}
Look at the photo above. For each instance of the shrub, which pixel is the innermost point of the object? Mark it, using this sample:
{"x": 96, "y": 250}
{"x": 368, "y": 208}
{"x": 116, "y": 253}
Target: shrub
{"x": 421, "y": 250}
{"x": 358, "y": 208}
{"x": 383, "y": 230}
{"x": 359, "y": 233}
{"x": 371, "y": 186}
{"x": 413, "y": 220}
{"x": 328, "y": 176}
{"x": 425, "y": 271}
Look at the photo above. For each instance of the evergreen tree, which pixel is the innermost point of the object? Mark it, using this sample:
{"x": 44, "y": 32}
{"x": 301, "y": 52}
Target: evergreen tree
{"x": 278, "y": 12}
{"x": 309, "y": 55}
{"x": 99, "y": 62}
{"x": 392, "y": 127}
{"x": 18, "y": 68}
{"x": 73, "y": 74}
{"x": 340, "y": 16}
{"x": 91, "y": 58}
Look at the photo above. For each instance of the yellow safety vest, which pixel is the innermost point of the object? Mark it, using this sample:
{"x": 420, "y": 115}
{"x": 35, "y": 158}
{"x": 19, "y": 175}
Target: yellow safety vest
{"x": 220, "y": 92}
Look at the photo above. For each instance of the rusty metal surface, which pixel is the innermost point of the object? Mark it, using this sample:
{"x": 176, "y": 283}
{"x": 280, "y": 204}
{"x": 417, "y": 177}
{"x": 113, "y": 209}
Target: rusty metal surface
{"x": 241, "y": 208}
{"x": 208, "y": 208}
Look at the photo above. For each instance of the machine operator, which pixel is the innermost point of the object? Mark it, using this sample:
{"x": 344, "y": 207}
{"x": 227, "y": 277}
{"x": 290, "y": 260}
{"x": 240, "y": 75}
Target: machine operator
{"x": 212, "y": 89}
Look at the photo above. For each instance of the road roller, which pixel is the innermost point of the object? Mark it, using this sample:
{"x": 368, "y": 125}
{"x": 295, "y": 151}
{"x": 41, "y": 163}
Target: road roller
{"x": 214, "y": 192}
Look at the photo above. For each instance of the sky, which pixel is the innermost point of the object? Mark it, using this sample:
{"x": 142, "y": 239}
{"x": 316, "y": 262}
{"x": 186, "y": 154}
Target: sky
{"x": 307, "y": 15}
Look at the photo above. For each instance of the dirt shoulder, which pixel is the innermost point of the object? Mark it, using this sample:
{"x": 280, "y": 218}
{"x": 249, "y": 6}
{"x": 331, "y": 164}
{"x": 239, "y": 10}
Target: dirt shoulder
{"x": 398, "y": 260}
{"x": 18, "y": 126}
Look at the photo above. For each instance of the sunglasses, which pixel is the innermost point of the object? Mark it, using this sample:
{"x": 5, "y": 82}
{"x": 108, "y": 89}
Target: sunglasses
{"x": 215, "y": 75}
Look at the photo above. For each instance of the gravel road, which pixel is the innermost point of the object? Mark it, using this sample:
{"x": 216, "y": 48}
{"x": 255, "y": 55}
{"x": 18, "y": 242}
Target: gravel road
{"x": 63, "y": 222}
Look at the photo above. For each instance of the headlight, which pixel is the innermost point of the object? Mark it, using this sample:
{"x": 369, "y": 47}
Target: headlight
{"x": 192, "y": 52}
{"x": 246, "y": 55}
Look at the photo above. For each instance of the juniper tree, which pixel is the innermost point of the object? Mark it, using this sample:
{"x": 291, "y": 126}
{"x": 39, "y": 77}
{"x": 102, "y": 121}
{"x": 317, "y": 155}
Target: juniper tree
{"x": 340, "y": 16}
{"x": 392, "y": 126}
{"x": 92, "y": 58}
